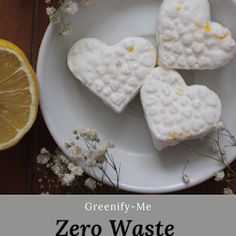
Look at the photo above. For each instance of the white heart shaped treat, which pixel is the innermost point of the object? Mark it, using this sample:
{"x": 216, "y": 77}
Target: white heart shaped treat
{"x": 176, "y": 112}
{"x": 188, "y": 39}
{"x": 114, "y": 73}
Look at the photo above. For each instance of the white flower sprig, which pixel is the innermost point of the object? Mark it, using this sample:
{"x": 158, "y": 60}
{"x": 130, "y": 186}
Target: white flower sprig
{"x": 86, "y": 154}
{"x": 218, "y": 153}
{"x": 219, "y": 176}
{"x": 56, "y": 13}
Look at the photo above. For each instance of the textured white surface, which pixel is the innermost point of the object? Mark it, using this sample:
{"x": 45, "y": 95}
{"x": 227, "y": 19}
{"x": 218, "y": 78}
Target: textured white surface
{"x": 113, "y": 73}
{"x": 176, "y": 112}
{"x": 188, "y": 39}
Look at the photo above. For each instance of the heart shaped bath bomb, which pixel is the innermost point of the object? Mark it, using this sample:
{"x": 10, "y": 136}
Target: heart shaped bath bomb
{"x": 176, "y": 112}
{"x": 188, "y": 39}
{"x": 113, "y": 73}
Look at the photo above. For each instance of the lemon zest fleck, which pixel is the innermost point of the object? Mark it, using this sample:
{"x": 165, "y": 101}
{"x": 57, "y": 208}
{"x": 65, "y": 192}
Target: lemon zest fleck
{"x": 179, "y": 9}
{"x": 181, "y": 136}
{"x": 181, "y": 90}
{"x": 207, "y": 28}
{"x": 131, "y": 50}
{"x": 198, "y": 26}
{"x": 173, "y": 136}
{"x": 223, "y": 36}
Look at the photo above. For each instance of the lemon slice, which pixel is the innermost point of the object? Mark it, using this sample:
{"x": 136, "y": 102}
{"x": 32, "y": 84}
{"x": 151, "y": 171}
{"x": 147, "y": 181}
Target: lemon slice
{"x": 18, "y": 95}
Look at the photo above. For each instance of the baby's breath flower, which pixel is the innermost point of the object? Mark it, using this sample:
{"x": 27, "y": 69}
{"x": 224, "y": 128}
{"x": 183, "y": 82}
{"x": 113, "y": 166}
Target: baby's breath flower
{"x": 57, "y": 170}
{"x": 86, "y": 2}
{"x": 87, "y": 153}
{"x": 88, "y": 134}
{"x": 76, "y": 170}
{"x": 90, "y": 184}
{"x": 228, "y": 191}
{"x": 63, "y": 158}
{"x": 66, "y": 31}
{"x": 71, "y": 7}
{"x": 44, "y": 157}
{"x": 186, "y": 179}
{"x": 83, "y": 132}
{"x": 90, "y": 162}
{"x": 92, "y": 135}
{"x": 44, "y": 151}
{"x": 220, "y": 126}
{"x": 219, "y": 176}
{"x": 75, "y": 132}
{"x": 54, "y": 19}
{"x": 100, "y": 159}
{"x": 70, "y": 166}
{"x": 56, "y": 14}
{"x": 69, "y": 143}
{"x": 50, "y": 11}
{"x": 213, "y": 146}
{"x": 75, "y": 152}
{"x": 67, "y": 179}
{"x": 100, "y": 150}
{"x": 56, "y": 160}
{"x": 110, "y": 144}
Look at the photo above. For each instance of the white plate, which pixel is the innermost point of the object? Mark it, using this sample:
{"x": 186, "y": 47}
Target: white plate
{"x": 67, "y": 105}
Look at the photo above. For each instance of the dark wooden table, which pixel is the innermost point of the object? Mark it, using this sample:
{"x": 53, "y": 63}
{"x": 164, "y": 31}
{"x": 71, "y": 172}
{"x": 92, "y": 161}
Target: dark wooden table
{"x": 24, "y": 22}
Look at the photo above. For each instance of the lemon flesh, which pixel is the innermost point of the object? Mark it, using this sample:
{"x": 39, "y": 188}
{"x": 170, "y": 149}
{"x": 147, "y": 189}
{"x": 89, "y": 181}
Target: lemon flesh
{"x": 18, "y": 95}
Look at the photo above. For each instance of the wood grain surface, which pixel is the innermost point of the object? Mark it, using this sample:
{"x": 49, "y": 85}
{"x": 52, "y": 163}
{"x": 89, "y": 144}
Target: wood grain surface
{"x": 24, "y": 23}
